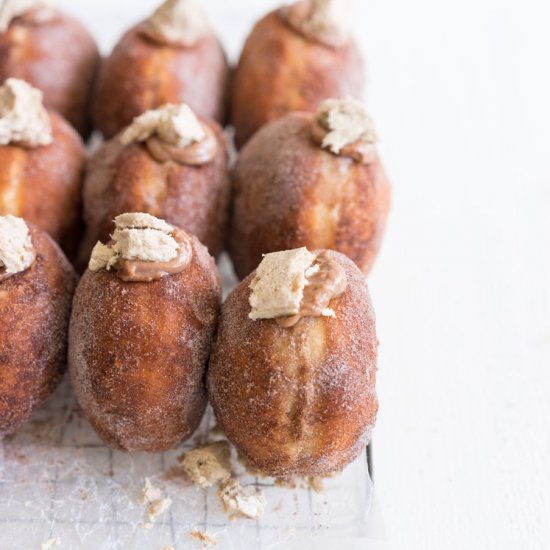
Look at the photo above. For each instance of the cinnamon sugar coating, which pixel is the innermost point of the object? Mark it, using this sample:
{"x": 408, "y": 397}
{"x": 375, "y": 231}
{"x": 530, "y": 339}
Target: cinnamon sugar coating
{"x": 138, "y": 352}
{"x": 280, "y": 71}
{"x": 300, "y": 400}
{"x": 43, "y": 184}
{"x": 142, "y": 74}
{"x": 34, "y": 311}
{"x": 126, "y": 178}
{"x": 55, "y": 53}
{"x": 288, "y": 192}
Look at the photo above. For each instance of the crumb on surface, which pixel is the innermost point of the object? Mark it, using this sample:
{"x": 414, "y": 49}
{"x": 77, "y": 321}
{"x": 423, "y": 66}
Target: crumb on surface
{"x": 240, "y": 501}
{"x": 203, "y": 537}
{"x": 315, "y": 483}
{"x": 47, "y": 544}
{"x": 156, "y": 504}
{"x": 208, "y": 464}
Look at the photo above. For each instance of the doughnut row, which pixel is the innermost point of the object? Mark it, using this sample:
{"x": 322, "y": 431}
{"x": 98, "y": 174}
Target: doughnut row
{"x": 108, "y": 262}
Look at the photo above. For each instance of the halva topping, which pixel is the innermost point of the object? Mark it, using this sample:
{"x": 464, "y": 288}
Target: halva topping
{"x": 23, "y": 118}
{"x": 17, "y": 252}
{"x": 143, "y": 249}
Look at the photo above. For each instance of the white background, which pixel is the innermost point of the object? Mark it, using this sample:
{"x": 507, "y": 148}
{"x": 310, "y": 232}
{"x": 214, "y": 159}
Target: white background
{"x": 461, "y": 92}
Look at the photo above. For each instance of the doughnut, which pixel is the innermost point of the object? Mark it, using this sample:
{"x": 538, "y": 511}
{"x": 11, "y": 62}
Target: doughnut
{"x": 311, "y": 180}
{"x": 172, "y": 57}
{"x": 53, "y": 52}
{"x": 294, "y": 58}
{"x": 36, "y": 288}
{"x": 168, "y": 163}
{"x": 42, "y": 161}
{"x": 292, "y": 374}
{"x": 144, "y": 315}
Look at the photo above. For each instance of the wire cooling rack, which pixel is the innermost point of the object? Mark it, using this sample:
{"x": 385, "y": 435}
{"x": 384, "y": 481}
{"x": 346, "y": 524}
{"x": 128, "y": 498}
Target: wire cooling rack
{"x": 60, "y": 483}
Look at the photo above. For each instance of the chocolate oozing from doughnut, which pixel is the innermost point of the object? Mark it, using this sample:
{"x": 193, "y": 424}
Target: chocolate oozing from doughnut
{"x": 196, "y": 154}
{"x": 326, "y": 280}
{"x": 143, "y": 271}
{"x": 143, "y": 249}
{"x": 173, "y": 133}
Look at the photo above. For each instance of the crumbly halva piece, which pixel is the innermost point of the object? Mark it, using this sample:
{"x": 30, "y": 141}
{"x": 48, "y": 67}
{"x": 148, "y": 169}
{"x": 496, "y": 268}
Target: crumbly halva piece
{"x": 137, "y": 236}
{"x": 10, "y": 9}
{"x": 346, "y": 121}
{"x": 16, "y": 249}
{"x": 173, "y": 124}
{"x": 203, "y": 537}
{"x": 23, "y": 118}
{"x": 278, "y": 286}
{"x": 279, "y": 283}
{"x": 48, "y": 544}
{"x": 208, "y": 464}
{"x": 179, "y": 22}
{"x": 156, "y": 504}
{"x": 149, "y": 492}
{"x": 329, "y": 17}
{"x": 239, "y": 501}
{"x": 310, "y": 482}
{"x": 142, "y": 220}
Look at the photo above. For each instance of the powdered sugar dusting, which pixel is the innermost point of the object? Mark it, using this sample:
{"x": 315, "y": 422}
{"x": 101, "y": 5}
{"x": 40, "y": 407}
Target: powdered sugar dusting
{"x": 123, "y": 355}
{"x": 309, "y": 403}
{"x": 58, "y": 479}
{"x": 288, "y": 192}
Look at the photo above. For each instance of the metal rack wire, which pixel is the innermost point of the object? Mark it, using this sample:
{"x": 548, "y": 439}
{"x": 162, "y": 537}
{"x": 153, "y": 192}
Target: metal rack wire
{"x": 58, "y": 480}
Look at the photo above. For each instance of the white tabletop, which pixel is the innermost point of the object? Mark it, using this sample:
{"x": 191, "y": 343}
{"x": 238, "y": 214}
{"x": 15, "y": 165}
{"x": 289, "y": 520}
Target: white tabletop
{"x": 460, "y": 92}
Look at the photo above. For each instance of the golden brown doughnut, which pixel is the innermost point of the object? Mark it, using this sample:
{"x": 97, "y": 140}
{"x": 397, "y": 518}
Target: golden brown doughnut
{"x": 34, "y": 311}
{"x": 281, "y": 70}
{"x": 298, "y": 400}
{"x": 42, "y": 184}
{"x": 143, "y": 73}
{"x": 128, "y": 178}
{"x": 138, "y": 350}
{"x": 290, "y": 192}
{"x": 56, "y": 54}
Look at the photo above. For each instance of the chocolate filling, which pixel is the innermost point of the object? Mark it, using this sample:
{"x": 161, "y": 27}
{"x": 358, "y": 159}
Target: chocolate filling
{"x": 196, "y": 154}
{"x": 139, "y": 271}
{"x": 328, "y": 282}
{"x": 360, "y": 151}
